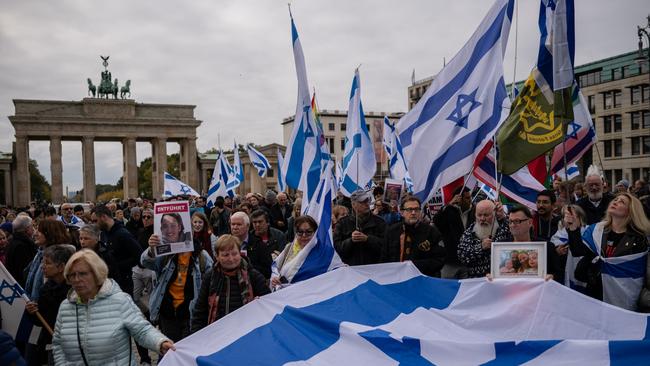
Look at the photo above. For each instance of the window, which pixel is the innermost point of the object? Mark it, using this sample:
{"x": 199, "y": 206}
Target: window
{"x": 635, "y": 95}
{"x": 589, "y": 79}
{"x": 635, "y": 118}
{"x": 636, "y": 174}
{"x": 636, "y": 145}
{"x": 607, "y": 100}
{"x": 645, "y": 95}
{"x": 617, "y": 74}
{"x": 645, "y": 141}
{"x": 343, "y": 126}
{"x": 645, "y": 174}
{"x": 342, "y": 145}
{"x": 608, "y": 148}
{"x": 331, "y": 126}
{"x": 608, "y": 177}
{"x": 330, "y": 144}
{"x": 618, "y": 175}
{"x": 367, "y": 127}
{"x": 646, "y": 119}
{"x": 618, "y": 147}
{"x": 607, "y": 124}
{"x": 617, "y": 98}
{"x": 618, "y": 123}
{"x": 592, "y": 103}
{"x": 269, "y": 173}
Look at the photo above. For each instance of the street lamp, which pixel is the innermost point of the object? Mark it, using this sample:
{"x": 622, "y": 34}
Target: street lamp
{"x": 641, "y": 57}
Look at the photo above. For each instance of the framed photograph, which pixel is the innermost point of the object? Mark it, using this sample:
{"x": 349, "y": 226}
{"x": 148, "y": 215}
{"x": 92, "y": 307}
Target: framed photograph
{"x": 393, "y": 190}
{"x": 172, "y": 223}
{"x": 518, "y": 260}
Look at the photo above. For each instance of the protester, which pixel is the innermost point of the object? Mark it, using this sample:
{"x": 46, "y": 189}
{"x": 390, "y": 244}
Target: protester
{"x": 4, "y": 242}
{"x": 272, "y": 238}
{"x": 135, "y": 221}
{"x": 228, "y": 285}
{"x": 49, "y": 233}
{"x": 560, "y": 240}
{"x": 220, "y": 217}
{"x": 126, "y": 250}
{"x": 304, "y": 227}
{"x": 597, "y": 200}
{"x": 281, "y": 212}
{"x": 9, "y": 353}
{"x": 21, "y": 249}
{"x": 97, "y": 320}
{"x": 623, "y": 185}
{"x": 143, "y": 278}
{"x": 544, "y": 221}
{"x": 414, "y": 240}
{"x": 475, "y": 244}
{"x": 383, "y": 210}
{"x": 338, "y": 212}
{"x": 68, "y": 217}
{"x": 358, "y": 238}
{"x": 52, "y": 293}
{"x": 201, "y": 231}
{"x": 179, "y": 279}
{"x": 295, "y": 213}
{"x": 452, "y": 220}
{"x": 578, "y": 192}
{"x": 623, "y": 233}
{"x": 252, "y": 247}
{"x": 89, "y": 239}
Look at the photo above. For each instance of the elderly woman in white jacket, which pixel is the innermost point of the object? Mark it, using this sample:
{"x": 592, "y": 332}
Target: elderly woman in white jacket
{"x": 97, "y": 320}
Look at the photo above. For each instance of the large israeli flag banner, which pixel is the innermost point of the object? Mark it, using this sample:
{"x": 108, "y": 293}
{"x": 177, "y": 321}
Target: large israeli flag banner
{"x": 391, "y": 314}
{"x": 175, "y": 187}
{"x": 359, "y": 163}
{"x": 461, "y": 110}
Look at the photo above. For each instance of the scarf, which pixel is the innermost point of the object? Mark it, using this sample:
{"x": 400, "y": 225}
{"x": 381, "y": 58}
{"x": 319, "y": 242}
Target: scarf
{"x": 220, "y": 275}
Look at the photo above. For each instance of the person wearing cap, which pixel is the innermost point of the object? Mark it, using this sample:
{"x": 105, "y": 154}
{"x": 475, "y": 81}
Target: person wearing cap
{"x": 622, "y": 186}
{"x": 358, "y": 238}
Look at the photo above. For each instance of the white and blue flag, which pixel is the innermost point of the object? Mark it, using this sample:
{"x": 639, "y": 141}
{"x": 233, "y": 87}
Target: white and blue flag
{"x": 259, "y": 161}
{"x": 281, "y": 185}
{"x": 572, "y": 171}
{"x": 318, "y": 256}
{"x": 219, "y": 182}
{"x": 174, "y": 187}
{"x": 237, "y": 167}
{"x": 396, "y": 162}
{"x": 302, "y": 165}
{"x": 359, "y": 163}
{"x": 390, "y": 314}
{"x": 15, "y": 320}
{"x": 461, "y": 110}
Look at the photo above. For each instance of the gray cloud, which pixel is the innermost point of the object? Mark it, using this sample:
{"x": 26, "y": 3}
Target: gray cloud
{"x": 233, "y": 59}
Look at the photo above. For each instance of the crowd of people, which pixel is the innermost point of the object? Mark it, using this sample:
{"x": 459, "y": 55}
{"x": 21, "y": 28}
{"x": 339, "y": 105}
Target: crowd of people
{"x": 100, "y": 259}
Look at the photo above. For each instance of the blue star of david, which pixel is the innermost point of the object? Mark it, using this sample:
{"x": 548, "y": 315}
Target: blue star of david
{"x": 574, "y": 130}
{"x": 16, "y": 292}
{"x": 185, "y": 189}
{"x": 461, "y": 113}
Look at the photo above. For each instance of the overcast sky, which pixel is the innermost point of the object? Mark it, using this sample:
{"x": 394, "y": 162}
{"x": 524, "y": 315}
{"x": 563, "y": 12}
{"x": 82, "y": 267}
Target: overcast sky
{"x": 234, "y": 61}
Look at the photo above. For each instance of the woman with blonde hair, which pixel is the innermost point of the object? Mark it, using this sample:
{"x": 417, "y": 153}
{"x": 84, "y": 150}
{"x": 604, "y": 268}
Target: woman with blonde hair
{"x": 622, "y": 235}
{"x": 97, "y": 320}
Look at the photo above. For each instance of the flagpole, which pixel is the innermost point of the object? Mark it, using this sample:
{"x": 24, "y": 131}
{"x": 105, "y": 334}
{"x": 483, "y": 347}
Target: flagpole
{"x": 514, "y": 71}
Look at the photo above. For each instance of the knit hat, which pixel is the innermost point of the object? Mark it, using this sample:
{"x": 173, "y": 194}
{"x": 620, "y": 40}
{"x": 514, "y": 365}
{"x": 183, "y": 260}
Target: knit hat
{"x": 8, "y": 227}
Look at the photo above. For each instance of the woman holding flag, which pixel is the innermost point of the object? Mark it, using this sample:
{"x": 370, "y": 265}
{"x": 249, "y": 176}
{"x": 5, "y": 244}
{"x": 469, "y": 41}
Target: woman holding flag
{"x": 614, "y": 252}
{"x": 305, "y": 227}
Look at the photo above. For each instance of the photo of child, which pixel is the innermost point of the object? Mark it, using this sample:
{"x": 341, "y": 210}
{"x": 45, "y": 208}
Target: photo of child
{"x": 519, "y": 262}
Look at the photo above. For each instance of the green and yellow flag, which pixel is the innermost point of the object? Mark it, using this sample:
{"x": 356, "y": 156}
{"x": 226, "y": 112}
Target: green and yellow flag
{"x": 536, "y": 124}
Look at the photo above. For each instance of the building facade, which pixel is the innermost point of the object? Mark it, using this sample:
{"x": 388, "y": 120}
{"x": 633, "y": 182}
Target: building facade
{"x": 617, "y": 91}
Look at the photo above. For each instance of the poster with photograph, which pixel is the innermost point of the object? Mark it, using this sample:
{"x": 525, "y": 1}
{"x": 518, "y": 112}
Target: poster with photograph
{"x": 519, "y": 260}
{"x": 393, "y": 190}
{"x": 172, "y": 223}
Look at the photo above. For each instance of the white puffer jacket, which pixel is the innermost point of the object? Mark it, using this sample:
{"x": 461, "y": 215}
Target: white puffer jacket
{"x": 106, "y": 324}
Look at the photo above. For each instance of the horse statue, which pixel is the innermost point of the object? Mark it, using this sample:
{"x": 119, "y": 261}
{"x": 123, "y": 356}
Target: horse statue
{"x": 126, "y": 89}
{"x": 115, "y": 89}
{"x": 91, "y": 88}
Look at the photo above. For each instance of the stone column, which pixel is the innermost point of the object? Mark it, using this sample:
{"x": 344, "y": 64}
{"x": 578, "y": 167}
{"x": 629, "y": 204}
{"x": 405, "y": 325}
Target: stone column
{"x": 159, "y": 165}
{"x": 189, "y": 162}
{"x": 56, "y": 169}
{"x": 23, "y": 188}
{"x": 8, "y": 187}
{"x": 130, "y": 170}
{"x": 88, "y": 157}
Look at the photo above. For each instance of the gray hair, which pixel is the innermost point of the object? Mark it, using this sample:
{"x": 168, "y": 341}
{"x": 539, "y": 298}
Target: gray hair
{"x": 21, "y": 223}
{"x": 92, "y": 230}
{"x": 241, "y": 215}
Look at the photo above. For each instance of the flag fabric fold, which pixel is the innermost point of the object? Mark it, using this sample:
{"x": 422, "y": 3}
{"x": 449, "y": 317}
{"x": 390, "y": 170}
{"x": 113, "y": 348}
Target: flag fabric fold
{"x": 237, "y": 165}
{"x": 175, "y": 187}
{"x": 390, "y": 314}
{"x": 461, "y": 110}
{"x": 259, "y": 161}
{"x": 281, "y": 184}
{"x": 219, "y": 181}
{"x": 15, "y": 320}
{"x": 396, "y": 163}
{"x": 359, "y": 163}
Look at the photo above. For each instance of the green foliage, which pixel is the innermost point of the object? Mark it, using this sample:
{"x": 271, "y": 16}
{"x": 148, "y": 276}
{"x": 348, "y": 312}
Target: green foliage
{"x": 41, "y": 189}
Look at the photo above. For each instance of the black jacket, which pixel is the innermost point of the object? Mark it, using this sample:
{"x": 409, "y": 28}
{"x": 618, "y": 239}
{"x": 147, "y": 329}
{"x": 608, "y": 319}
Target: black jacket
{"x": 52, "y": 294}
{"x": 126, "y": 252}
{"x": 279, "y": 220}
{"x": 229, "y": 294}
{"x": 258, "y": 255}
{"x": 20, "y": 252}
{"x": 276, "y": 242}
{"x": 352, "y": 253}
{"x": 595, "y": 214}
{"x": 220, "y": 221}
{"x": 421, "y": 246}
{"x": 450, "y": 224}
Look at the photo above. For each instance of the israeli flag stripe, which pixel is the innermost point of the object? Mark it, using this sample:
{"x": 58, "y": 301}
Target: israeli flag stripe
{"x": 281, "y": 183}
{"x": 635, "y": 266}
{"x": 396, "y": 162}
{"x": 219, "y": 182}
{"x": 174, "y": 187}
{"x": 237, "y": 165}
{"x": 259, "y": 161}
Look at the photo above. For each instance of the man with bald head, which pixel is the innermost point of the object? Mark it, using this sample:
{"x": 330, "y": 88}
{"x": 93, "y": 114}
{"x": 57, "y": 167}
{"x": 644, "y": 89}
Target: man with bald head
{"x": 475, "y": 244}
{"x": 597, "y": 200}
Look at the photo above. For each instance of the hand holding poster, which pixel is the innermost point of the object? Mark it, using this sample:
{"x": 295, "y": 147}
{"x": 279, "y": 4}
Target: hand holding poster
{"x": 172, "y": 224}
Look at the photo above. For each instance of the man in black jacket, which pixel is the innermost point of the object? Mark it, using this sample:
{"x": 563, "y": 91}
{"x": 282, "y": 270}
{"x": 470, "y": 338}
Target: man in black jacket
{"x": 596, "y": 202}
{"x": 452, "y": 221}
{"x": 126, "y": 250}
{"x": 280, "y": 212}
{"x": 21, "y": 249}
{"x": 251, "y": 246}
{"x": 358, "y": 238}
{"x": 273, "y": 239}
{"x": 414, "y": 240}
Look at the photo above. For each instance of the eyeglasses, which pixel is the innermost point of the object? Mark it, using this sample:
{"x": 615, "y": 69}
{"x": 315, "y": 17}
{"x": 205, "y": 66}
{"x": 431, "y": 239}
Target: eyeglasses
{"x": 411, "y": 209}
{"x": 517, "y": 222}
{"x": 305, "y": 233}
{"x": 73, "y": 275}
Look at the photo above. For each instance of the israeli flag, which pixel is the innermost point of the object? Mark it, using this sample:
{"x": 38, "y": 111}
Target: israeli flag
{"x": 561, "y": 237}
{"x": 259, "y": 161}
{"x": 396, "y": 162}
{"x": 318, "y": 256}
{"x": 390, "y": 314}
{"x": 15, "y": 320}
{"x": 281, "y": 184}
{"x": 622, "y": 276}
{"x": 491, "y": 193}
{"x": 174, "y": 187}
{"x": 359, "y": 162}
{"x": 219, "y": 181}
{"x": 237, "y": 167}
{"x": 338, "y": 175}
{"x": 462, "y": 109}
{"x": 302, "y": 165}
{"x": 572, "y": 172}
